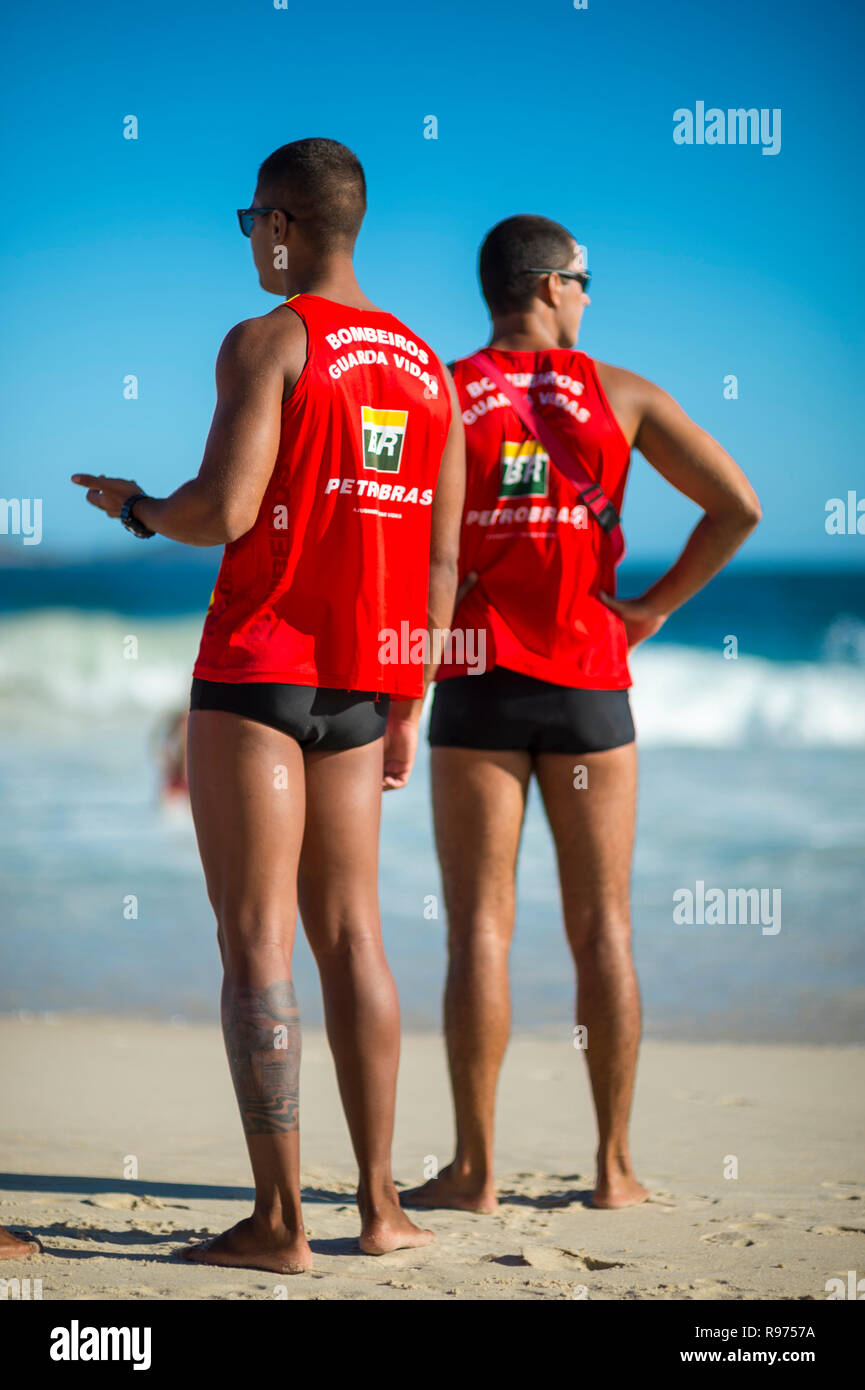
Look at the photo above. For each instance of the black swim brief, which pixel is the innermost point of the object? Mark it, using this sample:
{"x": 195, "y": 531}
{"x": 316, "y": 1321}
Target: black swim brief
{"x": 504, "y": 710}
{"x": 318, "y": 718}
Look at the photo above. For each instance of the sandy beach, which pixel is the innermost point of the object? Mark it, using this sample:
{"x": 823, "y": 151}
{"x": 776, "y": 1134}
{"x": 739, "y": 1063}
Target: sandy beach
{"x": 87, "y": 1102}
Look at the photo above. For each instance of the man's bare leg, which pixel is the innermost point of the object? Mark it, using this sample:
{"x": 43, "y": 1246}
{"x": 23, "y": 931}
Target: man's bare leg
{"x": 479, "y": 800}
{"x": 246, "y": 785}
{"x": 338, "y": 888}
{"x": 17, "y": 1247}
{"x": 593, "y": 829}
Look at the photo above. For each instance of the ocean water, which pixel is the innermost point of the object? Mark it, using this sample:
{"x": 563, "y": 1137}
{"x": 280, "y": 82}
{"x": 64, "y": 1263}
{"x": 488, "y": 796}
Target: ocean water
{"x": 751, "y": 777}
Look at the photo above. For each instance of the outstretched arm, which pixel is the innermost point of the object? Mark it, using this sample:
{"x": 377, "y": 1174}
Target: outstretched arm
{"x": 696, "y": 465}
{"x": 222, "y": 502}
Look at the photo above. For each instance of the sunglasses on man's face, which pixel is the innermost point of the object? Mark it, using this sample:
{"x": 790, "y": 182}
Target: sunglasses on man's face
{"x": 246, "y": 217}
{"x": 581, "y": 276}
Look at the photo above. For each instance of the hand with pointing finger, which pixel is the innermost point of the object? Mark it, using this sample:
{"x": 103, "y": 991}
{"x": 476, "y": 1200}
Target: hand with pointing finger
{"x": 108, "y": 494}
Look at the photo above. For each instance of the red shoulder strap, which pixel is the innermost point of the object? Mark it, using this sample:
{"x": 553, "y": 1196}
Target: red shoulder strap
{"x": 590, "y": 493}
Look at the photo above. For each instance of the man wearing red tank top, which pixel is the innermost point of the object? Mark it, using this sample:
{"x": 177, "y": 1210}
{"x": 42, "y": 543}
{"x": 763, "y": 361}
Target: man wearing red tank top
{"x": 537, "y": 592}
{"x": 334, "y": 475}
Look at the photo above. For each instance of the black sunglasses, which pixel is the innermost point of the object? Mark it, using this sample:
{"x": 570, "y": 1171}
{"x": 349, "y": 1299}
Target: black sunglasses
{"x": 246, "y": 217}
{"x": 583, "y": 276}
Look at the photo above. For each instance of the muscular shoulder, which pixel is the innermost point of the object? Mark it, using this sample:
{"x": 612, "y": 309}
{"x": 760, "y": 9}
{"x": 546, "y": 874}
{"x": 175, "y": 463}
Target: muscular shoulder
{"x": 274, "y": 342}
{"x": 631, "y": 396}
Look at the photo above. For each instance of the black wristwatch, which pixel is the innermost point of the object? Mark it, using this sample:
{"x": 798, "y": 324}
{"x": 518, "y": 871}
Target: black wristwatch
{"x": 131, "y": 522}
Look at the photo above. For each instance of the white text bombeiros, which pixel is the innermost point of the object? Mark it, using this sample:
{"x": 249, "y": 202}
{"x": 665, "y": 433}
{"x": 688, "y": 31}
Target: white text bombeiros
{"x": 563, "y": 398}
{"x": 403, "y": 360}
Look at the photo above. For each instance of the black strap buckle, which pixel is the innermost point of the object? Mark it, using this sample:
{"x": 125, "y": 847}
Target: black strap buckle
{"x": 608, "y": 517}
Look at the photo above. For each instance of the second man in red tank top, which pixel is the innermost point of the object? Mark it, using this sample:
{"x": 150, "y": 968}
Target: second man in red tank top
{"x": 538, "y": 572}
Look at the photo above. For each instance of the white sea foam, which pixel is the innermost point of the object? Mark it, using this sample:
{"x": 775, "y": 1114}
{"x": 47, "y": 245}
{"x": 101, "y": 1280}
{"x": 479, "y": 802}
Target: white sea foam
{"x": 58, "y": 667}
{"x": 691, "y": 698}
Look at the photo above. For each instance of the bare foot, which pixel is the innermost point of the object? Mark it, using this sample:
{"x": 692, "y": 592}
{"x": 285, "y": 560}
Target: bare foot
{"x": 617, "y": 1186}
{"x": 387, "y": 1227}
{"x": 18, "y": 1247}
{"x": 453, "y": 1192}
{"x": 249, "y": 1245}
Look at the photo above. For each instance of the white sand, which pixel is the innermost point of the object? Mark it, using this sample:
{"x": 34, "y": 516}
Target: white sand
{"x": 81, "y": 1096}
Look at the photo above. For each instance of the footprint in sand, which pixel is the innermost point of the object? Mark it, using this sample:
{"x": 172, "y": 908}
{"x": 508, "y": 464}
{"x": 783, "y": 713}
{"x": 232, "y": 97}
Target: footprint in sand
{"x": 836, "y": 1230}
{"x": 727, "y": 1238}
{"x": 552, "y": 1257}
{"x": 737, "y": 1232}
{"x": 844, "y": 1196}
{"x": 128, "y": 1201}
{"x": 736, "y": 1235}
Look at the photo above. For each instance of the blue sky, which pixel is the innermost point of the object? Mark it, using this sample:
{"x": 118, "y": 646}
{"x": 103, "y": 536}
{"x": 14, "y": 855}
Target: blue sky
{"x": 124, "y": 256}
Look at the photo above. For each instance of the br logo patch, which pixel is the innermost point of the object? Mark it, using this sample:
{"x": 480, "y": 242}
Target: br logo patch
{"x": 383, "y": 435}
{"x": 524, "y": 469}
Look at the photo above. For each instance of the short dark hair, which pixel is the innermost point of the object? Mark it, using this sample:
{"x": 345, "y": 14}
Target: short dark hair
{"x": 510, "y": 249}
{"x": 321, "y": 183}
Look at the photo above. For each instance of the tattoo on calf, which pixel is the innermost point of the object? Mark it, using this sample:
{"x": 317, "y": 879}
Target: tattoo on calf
{"x": 262, "y": 1039}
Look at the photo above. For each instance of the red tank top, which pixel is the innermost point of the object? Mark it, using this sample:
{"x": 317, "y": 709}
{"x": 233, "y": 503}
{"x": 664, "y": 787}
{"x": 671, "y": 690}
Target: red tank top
{"x": 540, "y": 557}
{"x": 337, "y": 560}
